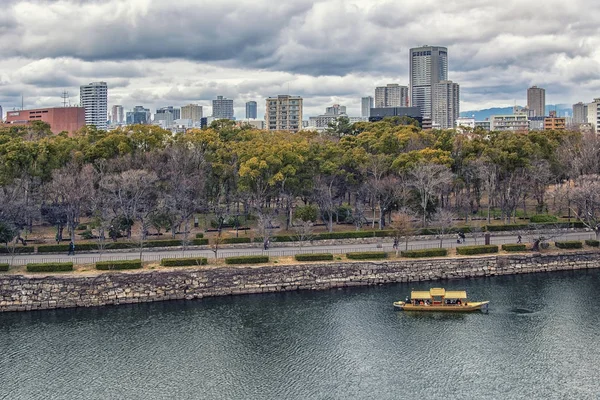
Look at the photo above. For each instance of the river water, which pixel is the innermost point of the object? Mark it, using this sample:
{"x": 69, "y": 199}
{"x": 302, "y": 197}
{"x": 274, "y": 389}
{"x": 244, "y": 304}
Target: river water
{"x": 540, "y": 340}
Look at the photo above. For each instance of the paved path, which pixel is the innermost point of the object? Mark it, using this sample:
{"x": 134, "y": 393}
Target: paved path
{"x": 386, "y": 245}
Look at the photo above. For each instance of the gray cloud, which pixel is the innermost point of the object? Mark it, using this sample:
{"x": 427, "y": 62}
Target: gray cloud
{"x": 158, "y": 53}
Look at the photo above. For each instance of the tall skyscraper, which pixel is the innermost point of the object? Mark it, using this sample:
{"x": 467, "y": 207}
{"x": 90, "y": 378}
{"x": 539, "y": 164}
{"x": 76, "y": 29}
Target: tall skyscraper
{"x": 392, "y": 95}
{"x": 284, "y": 113}
{"x": 94, "y": 98}
{"x": 222, "y": 108}
{"x": 1, "y": 114}
{"x": 251, "y": 110}
{"x": 580, "y": 111}
{"x": 192, "y": 111}
{"x": 428, "y": 66}
{"x": 366, "y": 103}
{"x": 139, "y": 115}
{"x": 116, "y": 115}
{"x": 445, "y": 104}
{"x": 536, "y": 101}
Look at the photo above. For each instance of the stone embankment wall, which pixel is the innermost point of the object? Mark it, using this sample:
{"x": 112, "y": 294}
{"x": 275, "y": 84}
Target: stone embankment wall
{"x": 24, "y": 293}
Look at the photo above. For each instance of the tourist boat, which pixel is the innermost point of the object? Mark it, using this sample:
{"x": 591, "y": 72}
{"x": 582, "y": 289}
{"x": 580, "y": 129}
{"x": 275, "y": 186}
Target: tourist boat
{"x": 438, "y": 299}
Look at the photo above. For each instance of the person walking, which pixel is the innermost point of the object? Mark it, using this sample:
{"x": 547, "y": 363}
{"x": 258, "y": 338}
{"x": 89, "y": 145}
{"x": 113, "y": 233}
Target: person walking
{"x": 519, "y": 239}
{"x": 71, "y": 249}
{"x": 395, "y": 244}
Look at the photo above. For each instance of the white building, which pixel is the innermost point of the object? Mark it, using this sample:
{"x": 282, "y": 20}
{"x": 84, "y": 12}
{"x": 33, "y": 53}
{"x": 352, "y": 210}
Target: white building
{"x": 445, "y": 104}
{"x": 465, "y": 122}
{"x": 514, "y": 123}
{"x": 593, "y": 114}
{"x": 94, "y": 98}
{"x": 366, "y": 103}
{"x": 392, "y": 95}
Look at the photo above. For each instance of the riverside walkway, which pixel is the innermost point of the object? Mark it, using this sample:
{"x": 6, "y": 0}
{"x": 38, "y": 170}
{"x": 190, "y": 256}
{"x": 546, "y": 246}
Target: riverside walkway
{"x": 384, "y": 244}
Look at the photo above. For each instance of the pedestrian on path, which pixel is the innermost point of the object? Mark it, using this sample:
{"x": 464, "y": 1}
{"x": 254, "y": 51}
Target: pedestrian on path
{"x": 519, "y": 239}
{"x": 71, "y": 249}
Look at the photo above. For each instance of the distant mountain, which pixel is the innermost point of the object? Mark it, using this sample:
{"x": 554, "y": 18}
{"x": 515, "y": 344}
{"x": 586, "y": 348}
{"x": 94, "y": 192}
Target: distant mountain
{"x": 562, "y": 110}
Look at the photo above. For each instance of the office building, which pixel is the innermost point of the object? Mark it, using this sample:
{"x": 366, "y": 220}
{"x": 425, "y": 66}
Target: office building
{"x": 445, "y": 104}
{"x": 536, "y": 101}
{"x": 336, "y": 109}
{"x": 366, "y": 103}
{"x": 251, "y": 110}
{"x": 117, "y": 116}
{"x": 428, "y": 65}
{"x": 1, "y": 114}
{"x": 175, "y": 112}
{"x": 139, "y": 115}
{"x": 284, "y": 113}
{"x": 379, "y": 113}
{"x": 192, "y": 112}
{"x": 321, "y": 122}
{"x": 593, "y": 114}
{"x": 513, "y": 123}
{"x": 579, "y": 113}
{"x": 483, "y": 125}
{"x": 222, "y": 108}
{"x": 60, "y": 119}
{"x": 392, "y": 95}
{"x": 94, "y": 98}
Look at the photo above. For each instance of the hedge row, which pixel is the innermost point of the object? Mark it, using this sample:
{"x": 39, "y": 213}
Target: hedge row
{"x": 118, "y": 265}
{"x": 569, "y": 245}
{"x": 424, "y": 253}
{"x": 199, "y": 235}
{"x": 592, "y": 243}
{"x": 3, "y": 267}
{"x": 62, "y": 248}
{"x": 247, "y": 260}
{"x": 17, "y": 250}
{"x": 367, "y": 255}
{"x": 236, "y": 240}
{"x": 183, "y": 262}
{"x": 50, "y": 267}
{"x": 542, "y": 218}
{"x": 314, "y": 257}
{"x": 514, "y": 247}
{"x": 471, "y": 250}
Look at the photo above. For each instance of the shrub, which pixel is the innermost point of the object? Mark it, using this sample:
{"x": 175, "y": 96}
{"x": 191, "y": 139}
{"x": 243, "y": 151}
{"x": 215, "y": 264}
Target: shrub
{"x": 164, "y": 243}
{"x": 3, "y": 267}
{"x": 592, "y": 243}
{"x": 183, "y": 262}
{"x": 82, "y": 227}
{"x": 118, "y": 265}
{"x": 509, "y": 227}
{"x": 425, "y": 253}
{"x": 543, "y": 218}
{"x": 569, "y": 245}
{"x": 50, "y": 267}
{"x": 236, "y": 240}
{"x": 514, "y": 247}
{"x": 200, "y": 242}
{"x": 63, "y": 248}
{"x": 199, "y": 235}
{"x": 471, "y": 250}
{"x": 247, "y": 260}
{"x": 366, "y": 255}
{"x": 314, "y": 257}
{"x": 18, "y": 250}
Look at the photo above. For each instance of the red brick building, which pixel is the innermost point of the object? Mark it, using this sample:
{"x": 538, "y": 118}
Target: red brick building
{"x": 69, "y": 119}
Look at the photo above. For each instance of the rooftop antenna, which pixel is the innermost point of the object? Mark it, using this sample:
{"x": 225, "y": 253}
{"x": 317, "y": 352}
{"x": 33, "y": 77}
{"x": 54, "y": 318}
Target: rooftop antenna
{"x": 65, "y": 97}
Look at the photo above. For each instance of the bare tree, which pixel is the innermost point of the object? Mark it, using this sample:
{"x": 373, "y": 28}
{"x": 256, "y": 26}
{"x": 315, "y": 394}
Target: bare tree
{"x": 403, "y": 227}
{"x": 585, "y": 201}
{"x": 443, "y": 223}
{"x": 487, "y": 172}
{"x": 428, "y": 180}
{"x": 540, "y": 178}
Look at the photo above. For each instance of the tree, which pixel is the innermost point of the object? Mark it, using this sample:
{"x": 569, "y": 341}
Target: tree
{"x": 443, "y": 224}
{"x": 585, "y": 201}
{"x": 403, "y": 227}
{"x": 428, "y": 180}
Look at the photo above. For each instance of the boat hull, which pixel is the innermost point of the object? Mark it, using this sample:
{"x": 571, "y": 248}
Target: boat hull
{"x": 469, "y": 307}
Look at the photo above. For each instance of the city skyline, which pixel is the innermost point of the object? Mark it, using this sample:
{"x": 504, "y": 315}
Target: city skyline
{"x": 290, "y": 51}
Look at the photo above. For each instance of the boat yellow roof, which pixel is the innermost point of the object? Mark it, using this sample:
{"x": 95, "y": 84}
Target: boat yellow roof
{"x": 439, "y": 292}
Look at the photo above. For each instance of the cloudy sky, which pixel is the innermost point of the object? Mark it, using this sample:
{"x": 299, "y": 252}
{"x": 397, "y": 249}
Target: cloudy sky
{"x": 158, "y": 53}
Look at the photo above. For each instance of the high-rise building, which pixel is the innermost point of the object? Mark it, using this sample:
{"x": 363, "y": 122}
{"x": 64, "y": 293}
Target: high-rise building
{"x": 536, "y": 101}
{"x": 251, "y": 110}
{"x": 139, "y": 115}
{"x": 175, "y": 112}
{"x": 366, "y": 103}
{"x": 192, "y": 111}
{"x": 392, "y": 95}
{"x": 580, "y": 113}
{"x": 336, "y": 109}
{"x": 94, "y": 98}
{"x": 593, "y": 114}
{"x": 428, "y": 66}
{"x": 116, "y": 115}
{"x": 1, "y": 114}
{"x": 445, "y": 104}
{"x": 222, "y": 108}
{"x": 284, "y": 113}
